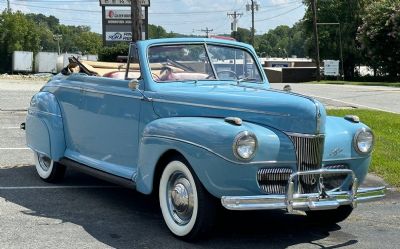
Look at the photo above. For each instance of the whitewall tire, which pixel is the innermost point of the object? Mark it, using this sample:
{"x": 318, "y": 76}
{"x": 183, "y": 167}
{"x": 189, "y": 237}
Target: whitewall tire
{"x": 187, "y": 208}
{"x": 47, "y": 169}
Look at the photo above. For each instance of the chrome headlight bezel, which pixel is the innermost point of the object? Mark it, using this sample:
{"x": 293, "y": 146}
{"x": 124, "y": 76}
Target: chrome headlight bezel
{"x": 236, "y": 144}
{"x": 356, "y": 141}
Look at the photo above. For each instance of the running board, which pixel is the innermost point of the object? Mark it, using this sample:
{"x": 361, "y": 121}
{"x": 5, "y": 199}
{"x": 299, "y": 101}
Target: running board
{"x": 98, "y": 173}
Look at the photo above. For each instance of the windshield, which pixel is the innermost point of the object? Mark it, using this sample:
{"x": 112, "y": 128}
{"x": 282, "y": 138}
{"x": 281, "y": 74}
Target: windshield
{"x": 196, "y": 62}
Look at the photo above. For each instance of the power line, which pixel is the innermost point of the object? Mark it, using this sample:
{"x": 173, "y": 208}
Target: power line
{"x": 281, "y": 14}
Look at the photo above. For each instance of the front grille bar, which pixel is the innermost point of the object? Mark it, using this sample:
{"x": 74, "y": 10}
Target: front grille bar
{"x": 309, "y": 152}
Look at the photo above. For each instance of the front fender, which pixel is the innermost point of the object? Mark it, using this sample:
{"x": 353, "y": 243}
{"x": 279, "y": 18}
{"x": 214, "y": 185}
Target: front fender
{"x": 207, "y": 144}
{"x": 339, "y": 147}
{"x": 44, "y": 126}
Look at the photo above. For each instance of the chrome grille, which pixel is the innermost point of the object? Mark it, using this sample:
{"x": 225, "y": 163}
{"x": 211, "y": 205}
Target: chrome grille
{"x": 274, "y": 180}
{"x": 309, "y": 151}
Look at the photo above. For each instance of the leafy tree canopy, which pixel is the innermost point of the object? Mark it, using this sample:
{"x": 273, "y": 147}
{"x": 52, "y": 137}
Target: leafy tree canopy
{"x": 379, "y": 36}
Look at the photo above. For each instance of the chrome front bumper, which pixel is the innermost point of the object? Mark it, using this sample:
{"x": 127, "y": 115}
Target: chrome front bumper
{"x": 323, "y": 200}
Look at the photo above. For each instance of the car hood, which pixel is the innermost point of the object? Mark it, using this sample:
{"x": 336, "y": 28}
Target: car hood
{"x": 281, "y": 110}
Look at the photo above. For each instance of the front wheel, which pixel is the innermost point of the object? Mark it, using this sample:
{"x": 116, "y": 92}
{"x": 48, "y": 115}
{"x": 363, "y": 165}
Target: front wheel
{"x": 187, "y": 208}
{"x": 47, "y": 169}
{"x": 330, "y": 217}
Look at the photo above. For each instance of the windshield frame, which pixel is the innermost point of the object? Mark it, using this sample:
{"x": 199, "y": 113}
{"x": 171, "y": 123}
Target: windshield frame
{"x": 205, "y": 44}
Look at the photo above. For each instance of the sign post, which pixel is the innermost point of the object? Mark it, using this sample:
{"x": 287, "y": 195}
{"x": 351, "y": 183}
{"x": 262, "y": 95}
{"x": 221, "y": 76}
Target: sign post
{"x": 122, "y": 24}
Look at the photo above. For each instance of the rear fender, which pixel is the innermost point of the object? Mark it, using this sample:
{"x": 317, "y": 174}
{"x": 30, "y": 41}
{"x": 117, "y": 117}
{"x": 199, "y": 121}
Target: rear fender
{"x": 44, "y": 126}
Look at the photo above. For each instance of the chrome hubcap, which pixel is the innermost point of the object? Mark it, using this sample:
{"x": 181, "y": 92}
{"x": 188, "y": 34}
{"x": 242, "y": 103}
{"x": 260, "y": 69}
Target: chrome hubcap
{"x": 44, "y": 162}
{"x": 180, "y": 198}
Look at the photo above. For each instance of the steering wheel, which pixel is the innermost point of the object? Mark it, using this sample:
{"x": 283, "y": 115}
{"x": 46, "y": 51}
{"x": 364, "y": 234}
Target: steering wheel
{"x": 155, "y": 77}
{"x": 228, "y": 71}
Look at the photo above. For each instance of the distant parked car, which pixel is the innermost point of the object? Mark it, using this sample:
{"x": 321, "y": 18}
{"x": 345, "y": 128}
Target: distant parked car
{"x": 196, "y": 121}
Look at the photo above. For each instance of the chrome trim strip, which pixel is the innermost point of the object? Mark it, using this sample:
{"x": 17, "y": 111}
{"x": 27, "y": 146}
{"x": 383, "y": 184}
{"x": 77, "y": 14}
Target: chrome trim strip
{"x": 111, "y": 93}
{"x": 339, "y": 160}
{"x": 304, "y": 135}
{"x": 218, "y": 107}
{"x": 32, "y": 111}
{"x": 217, "y": 154}
{"x": 83, "y": 89}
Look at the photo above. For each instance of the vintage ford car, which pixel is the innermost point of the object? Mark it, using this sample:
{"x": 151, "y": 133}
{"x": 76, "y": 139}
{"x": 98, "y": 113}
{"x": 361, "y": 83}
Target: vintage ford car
{"x": 196, "y": 122}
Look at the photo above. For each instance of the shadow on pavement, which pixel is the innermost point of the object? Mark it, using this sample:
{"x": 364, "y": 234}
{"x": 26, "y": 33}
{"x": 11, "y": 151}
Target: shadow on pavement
{"x": 123, "y": 218}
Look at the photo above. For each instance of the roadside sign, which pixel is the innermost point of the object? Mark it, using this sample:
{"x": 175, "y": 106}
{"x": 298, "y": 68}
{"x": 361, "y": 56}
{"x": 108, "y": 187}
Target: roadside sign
{"x": 117, "y": 20}
{"x": 118, "y": 36}
{"x": 331, "y": 67}
{"x": 118, "y": 14}
{"x": 144, "y": 3}
{"x": 119, "y": 17}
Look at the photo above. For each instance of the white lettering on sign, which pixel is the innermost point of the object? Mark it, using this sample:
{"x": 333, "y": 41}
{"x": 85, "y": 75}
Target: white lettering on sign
{"x": 118, "y": 36}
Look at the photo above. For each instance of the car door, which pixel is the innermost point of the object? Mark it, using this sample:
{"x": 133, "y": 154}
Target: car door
{"x": 109, "y": 129}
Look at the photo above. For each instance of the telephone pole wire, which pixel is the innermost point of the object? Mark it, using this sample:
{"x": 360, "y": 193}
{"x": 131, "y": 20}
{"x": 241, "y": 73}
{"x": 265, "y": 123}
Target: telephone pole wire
{"x": 235, "y": 17}
{"x": 315, "y": 27}
{"x": 254, "y": 6}
{"x": 207, "y": 31}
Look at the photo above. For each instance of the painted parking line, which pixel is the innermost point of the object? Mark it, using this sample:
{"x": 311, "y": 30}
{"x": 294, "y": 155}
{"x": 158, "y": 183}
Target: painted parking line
{"x": 10, "y": 128}
{"x": 57, "y": 187}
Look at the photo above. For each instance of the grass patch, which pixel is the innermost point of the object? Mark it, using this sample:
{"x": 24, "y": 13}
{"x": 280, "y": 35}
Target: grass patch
{"x": 386, "y": 154}
{"x": 360, "y": 83}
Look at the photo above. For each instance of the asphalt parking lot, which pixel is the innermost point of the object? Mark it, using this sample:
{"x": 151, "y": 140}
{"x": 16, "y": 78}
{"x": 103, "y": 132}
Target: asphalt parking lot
{"x": 83, "y": 212}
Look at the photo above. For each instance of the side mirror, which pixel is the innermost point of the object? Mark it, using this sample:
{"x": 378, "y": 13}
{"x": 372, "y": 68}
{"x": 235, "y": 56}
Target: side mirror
{"x": 133, "y": 84}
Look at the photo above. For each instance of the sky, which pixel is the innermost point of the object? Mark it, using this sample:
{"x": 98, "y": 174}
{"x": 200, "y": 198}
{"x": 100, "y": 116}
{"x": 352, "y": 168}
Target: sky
{"x": 180, "y": 16}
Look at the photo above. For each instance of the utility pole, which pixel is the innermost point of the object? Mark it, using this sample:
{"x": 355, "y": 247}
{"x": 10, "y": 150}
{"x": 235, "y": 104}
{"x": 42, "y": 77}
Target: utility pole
{"x": 207, "y": 31}
{"x": 58, "y": 38}
{"x": 235, "y": 17}
{"x": 314, "y": 10}
{"x": 8, "y": 6}
{"x": 340, "y": 43}
{"x": 254, "y": 6}
{"x": 136, "y": 12}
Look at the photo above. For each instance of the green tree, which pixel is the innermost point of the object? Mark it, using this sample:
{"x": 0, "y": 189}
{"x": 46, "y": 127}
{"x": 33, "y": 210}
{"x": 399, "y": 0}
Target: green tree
{"x": 88, "y": 42}
{"x": 379, "y": 36}
{"x": 110, "y": 53}
{"x": 242, "y": 35}
{"x": 282, "y": 41}
{"x": 16, "y": 33}
{"x": 157, "y": 32}
{"x": 348, "y": 14}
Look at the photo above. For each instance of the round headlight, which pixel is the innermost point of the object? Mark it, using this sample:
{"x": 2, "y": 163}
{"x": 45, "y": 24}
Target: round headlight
{"x": 245, "y": 145}
{"x": 364, "y": 141}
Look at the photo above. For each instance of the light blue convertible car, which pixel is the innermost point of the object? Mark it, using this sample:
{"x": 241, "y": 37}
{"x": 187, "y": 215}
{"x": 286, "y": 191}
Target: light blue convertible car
{"x": 196, "y": 122}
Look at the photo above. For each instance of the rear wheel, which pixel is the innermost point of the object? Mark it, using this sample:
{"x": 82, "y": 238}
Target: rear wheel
{"x": 330, "y": 217}
{"x": 47, "y": 169}
{"x": 187, "y": 208}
